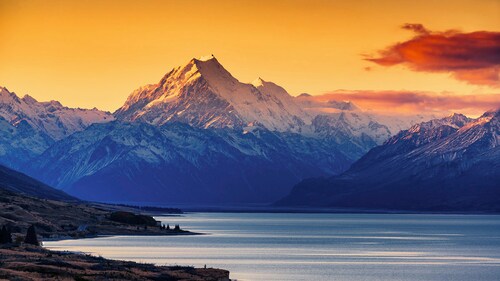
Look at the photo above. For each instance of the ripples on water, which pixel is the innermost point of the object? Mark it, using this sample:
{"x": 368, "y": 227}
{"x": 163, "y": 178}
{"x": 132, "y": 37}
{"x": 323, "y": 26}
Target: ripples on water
{"x": 320, "y": 246}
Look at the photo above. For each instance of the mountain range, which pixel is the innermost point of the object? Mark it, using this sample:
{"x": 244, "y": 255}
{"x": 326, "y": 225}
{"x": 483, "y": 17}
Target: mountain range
{"x": 445, "y": 164}
{"x": 198, "y": 136}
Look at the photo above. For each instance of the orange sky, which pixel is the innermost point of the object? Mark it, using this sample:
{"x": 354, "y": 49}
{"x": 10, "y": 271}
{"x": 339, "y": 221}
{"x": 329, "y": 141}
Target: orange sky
{"x": 89, "y": 53}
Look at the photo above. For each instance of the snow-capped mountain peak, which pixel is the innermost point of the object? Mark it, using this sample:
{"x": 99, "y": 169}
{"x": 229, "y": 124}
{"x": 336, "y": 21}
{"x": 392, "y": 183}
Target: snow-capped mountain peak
{"x": 50, "y": 118}
{"x": 204, "y": 94}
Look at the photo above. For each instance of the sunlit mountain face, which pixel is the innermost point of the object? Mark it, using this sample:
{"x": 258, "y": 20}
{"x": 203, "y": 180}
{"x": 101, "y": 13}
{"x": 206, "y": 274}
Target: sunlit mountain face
{"x": 204, "y": 94}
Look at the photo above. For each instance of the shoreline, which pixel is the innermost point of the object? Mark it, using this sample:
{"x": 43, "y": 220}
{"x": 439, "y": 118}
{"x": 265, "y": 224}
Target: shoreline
{"x": 56, "y": 239}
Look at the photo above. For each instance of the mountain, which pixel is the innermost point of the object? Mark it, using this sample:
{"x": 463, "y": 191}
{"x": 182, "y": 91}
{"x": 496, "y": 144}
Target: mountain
{"x": 178, "y": 163}
{"x": 447, "y": 164}
{"x": 204, "y": 94}
{"x": 362, "y": 120}
{"x": 198, "y": 135}
{"x": 354, "y": 132}
{"x": 20, "y": 183}
{"x": 28, "y": 127}
{"x": 51, "y": 118}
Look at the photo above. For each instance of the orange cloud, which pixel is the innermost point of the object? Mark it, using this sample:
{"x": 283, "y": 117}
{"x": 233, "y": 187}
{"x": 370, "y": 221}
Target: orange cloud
{"x": 471, "y": 57}
{"x": 408, "y": 102}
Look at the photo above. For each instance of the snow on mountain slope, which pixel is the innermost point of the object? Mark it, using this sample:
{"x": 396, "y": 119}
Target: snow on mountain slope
{"x": 429, "y": 131}
{"x": 471, "y": 135}
{"x": 205, "y": 95}
{"x": 178, "y": 163}
{"x": 354, "y": 124}
{"x": 50, "y": 118}
{"x": 20, "y": 143}
{"x": 283, "y": 97}
{"x": 327, "y": 105}
{"x": 323, "y": 105}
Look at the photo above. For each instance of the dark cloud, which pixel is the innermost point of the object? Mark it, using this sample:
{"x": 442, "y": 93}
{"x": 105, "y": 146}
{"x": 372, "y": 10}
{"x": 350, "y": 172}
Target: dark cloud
{"x": 473, "y": 57}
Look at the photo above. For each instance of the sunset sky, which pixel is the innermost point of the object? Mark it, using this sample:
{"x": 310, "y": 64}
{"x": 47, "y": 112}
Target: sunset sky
{"x": 95, "y": 53}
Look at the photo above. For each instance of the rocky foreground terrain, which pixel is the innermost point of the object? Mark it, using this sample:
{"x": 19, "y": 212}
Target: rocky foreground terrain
{"x": 36, "y": 263}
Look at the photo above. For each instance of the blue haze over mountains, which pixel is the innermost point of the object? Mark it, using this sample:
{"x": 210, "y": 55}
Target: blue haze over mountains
{"x": 200, "y": 136}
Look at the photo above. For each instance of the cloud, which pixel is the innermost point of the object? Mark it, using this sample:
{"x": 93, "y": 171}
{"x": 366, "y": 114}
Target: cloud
{"x": 472, "y": 57}
{"x": 416, "y": 27}
{"x": 410, "y": 102}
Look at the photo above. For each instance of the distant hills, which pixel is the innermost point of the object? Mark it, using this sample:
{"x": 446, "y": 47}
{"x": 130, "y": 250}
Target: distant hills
{"x": 441, "y": 165}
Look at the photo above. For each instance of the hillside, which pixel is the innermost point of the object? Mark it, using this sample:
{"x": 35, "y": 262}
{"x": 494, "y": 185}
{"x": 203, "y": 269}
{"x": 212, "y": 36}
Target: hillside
{"x": 20, "y": 183}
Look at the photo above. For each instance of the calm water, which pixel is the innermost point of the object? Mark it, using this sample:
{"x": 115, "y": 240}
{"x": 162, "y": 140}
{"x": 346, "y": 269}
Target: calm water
{"x": 320, "y": 246}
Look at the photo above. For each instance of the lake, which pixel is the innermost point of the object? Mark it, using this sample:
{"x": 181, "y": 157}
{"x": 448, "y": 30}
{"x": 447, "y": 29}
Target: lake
{"x": 265, "y": 246}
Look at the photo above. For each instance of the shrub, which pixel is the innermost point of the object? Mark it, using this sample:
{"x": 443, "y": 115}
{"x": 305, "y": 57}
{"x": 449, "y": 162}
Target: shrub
{"x": 5, "y": 235}
{"x": 31, "y": 237}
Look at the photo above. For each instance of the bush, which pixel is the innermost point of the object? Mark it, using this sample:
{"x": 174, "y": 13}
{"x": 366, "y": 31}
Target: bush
{"x": 31, "y": 237}
{"x": 5, "y": 235}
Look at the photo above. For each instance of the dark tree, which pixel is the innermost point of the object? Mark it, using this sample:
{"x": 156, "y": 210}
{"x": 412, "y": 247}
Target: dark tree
{"x": 177, "y": 227}
{"x": 168, "y": 227}
{"x": 5, "y": 235}
{"x": 2, "y": 234}
{"x": 31, "y": 237}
